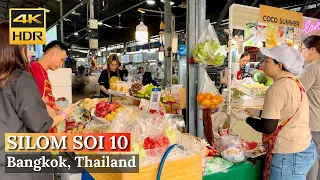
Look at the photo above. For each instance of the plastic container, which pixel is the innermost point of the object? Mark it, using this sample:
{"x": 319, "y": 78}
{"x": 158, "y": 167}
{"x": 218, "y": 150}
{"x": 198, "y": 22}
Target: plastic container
{"x": 62, "y": 103}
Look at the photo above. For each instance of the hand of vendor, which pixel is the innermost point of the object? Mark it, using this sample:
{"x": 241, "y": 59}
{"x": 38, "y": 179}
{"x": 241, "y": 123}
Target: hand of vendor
{"x": 240, "y": 114}
{"x": 70, "y": 109}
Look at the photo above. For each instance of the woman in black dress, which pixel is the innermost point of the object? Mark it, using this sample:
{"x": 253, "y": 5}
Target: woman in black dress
{"x": 110, "y": 75}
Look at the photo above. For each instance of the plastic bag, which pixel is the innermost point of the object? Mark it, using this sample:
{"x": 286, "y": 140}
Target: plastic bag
{"x": 209, "y": 51}
{"x": 216, "y": 164}
{"x": 218, "y": 120}
{"x": 209, "y": 96}
{"x": 230, "y": 146}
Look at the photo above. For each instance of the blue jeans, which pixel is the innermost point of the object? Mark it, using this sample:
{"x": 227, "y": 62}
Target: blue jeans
{"x": 293, "y": 166}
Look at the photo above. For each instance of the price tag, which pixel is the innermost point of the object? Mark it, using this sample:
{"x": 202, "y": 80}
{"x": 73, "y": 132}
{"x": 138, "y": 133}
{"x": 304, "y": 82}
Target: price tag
{"x": 155, "y": 99}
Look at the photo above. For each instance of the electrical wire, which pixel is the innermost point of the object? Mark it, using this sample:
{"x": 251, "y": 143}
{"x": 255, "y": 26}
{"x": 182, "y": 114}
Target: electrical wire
{"x": 78, "y": 39}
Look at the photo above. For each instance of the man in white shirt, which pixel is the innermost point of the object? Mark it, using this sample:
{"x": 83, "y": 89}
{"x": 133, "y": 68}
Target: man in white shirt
{"x": 160, "y": 73}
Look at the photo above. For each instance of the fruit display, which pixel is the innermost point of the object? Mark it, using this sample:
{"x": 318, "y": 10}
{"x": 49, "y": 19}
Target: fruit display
{"x": 209, "y": 52}
{"x": 88, "y": 103}
{"x": 209, "y": 101}
{"x": 156, "y": 143}
{"x": 260, "y": 78}
{"x": 72, "y": 128}
{"x": 106, "y": 110}
{"x": 250, "y": 145}
{"x": 135, "y": 87}
{"x": 168, "y": 98}
{"x": 145, "y": 92}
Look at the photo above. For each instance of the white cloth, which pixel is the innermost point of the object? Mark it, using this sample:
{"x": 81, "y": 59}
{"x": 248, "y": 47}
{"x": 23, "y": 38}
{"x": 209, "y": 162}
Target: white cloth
{"x": 286, "y": 55}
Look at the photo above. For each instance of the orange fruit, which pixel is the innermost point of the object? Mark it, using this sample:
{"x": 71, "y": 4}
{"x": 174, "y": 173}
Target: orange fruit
{"x": 220, "y": 99}
{"x": 208, "y": 96}
{"x": 205, "y": 103}
{"x": 121, "y": 88}
{"x": 215, "y": 101}
{"x": 200, "y": 97}
{"x": 213, "y": 106}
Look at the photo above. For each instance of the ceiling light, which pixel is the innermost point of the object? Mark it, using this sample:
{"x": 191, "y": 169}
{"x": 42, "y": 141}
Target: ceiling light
{"x": 172, "y": 3}
{"x": 142, "y": 33}
{"x": 65, "y": 19}
{"x": 76, "y": 34}
{"x": 100, "y": 23}
{"x": 151, "y": 2}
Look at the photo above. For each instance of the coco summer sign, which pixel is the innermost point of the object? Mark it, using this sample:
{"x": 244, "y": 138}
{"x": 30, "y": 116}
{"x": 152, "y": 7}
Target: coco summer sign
{"x": 311, "y": 26}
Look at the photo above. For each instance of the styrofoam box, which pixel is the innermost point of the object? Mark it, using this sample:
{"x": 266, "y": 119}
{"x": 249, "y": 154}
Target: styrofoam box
{"x": 253, "y": 102}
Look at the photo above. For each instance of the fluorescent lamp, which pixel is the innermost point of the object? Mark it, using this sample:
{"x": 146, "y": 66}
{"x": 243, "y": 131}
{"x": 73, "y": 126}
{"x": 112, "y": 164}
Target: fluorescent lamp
{"x": 100, "y": 23}
{"x": 151, "y": 2}
{"x": 76, "y": 34}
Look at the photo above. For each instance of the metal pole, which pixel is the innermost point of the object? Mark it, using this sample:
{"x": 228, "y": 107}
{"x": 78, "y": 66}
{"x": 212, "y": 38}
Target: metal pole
{"x": 91, "y": 9}
{"x": 167, "y": 41}
{"x": 61, "y": 22}
{"x": 200, "y": 19}
{"x": 191, "y": 70}
{"x": 68, "y": 13}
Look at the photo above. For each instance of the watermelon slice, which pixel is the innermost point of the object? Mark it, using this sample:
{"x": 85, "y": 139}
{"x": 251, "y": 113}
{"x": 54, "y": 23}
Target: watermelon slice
{"x": 251, "y": 145}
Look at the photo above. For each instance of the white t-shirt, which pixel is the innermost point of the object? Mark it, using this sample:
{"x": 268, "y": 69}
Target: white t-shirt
{"x": 160, "y": 73}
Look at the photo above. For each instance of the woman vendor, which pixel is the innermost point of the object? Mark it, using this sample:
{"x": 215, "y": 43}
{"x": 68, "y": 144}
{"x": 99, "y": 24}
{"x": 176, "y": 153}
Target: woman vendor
{"x": 243, "y": 61}
{"x": 311, "y": 83}
{"x": 284, "y": 120}
{"x": 110, "y": 75}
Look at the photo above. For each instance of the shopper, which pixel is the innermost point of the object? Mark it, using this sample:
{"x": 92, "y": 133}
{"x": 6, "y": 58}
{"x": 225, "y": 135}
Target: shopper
{"x": 55, "y": 54}
{"x": 160, "y": 72}
{"x": 21, "y": 109}
{"x": 147, "y": 79}
{"x": 110, "y": 75}
{"x": 284, "y": 119}
{"x": 310, "y": 79}
{"x": 141, "y": 70}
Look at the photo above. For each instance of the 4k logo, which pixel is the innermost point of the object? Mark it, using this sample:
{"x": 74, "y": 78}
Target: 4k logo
{"x": 27, "y": 26}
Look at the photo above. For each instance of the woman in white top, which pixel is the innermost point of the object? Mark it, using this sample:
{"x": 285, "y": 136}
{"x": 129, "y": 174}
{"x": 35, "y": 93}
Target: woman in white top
{"x": 284, "y": 120}
{"x": 310, "y": 79}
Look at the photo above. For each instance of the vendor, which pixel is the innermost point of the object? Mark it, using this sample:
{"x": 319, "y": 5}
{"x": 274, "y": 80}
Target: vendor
{"x": 311, "y": 82}
{"x": 110, "y": 75}
{"x": 244, "y": 60}
{"x": 284, "y": 120}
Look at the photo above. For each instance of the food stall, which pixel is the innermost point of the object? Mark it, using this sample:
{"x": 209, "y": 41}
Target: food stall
{"x": 232, "y": 148}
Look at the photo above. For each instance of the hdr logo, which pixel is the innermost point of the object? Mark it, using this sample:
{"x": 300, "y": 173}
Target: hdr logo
{"x": 27, "y": 26}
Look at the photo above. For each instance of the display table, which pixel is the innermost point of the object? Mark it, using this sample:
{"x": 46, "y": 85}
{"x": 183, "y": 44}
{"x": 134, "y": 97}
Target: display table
{"x": 242, "y": 171}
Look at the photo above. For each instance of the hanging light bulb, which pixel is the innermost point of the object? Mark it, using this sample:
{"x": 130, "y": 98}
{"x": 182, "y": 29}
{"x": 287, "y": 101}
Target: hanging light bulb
{"x": 142, "y": 32}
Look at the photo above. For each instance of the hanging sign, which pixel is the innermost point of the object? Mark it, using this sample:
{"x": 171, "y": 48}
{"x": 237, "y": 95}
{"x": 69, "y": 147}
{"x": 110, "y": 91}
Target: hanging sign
{"x": 155, "y": 99}
{"x": 282, "y": 17}
{"x": 310, "y": 26}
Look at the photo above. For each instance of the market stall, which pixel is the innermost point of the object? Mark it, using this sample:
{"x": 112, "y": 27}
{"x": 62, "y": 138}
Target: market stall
{"x": 229, "y": 150}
